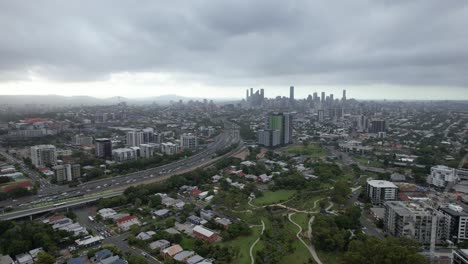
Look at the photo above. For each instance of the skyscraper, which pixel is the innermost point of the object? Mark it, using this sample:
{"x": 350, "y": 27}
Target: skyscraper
{"x": 103, "y": 147}
{"x": 291, "y": 93}
{"x": 283, "y": 123}
{"x": 323, "y": 97}
{"x": 344, "y": 95}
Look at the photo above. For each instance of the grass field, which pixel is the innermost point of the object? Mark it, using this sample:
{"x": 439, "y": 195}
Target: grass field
{"x": 242, "y": 244}
{"x": 302, "y": 220}
{"x": 368, "y": 161}
{"x": 270, "y": 197}
{"x": 301, "y": 253}
{"x": 312, "y": 150}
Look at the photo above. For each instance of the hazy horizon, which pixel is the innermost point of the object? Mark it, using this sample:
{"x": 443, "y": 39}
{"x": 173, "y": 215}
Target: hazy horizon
{"x": 374, "y": 49}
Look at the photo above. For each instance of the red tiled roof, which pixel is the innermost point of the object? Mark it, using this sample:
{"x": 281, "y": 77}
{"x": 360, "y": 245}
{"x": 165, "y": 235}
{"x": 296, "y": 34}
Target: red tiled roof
{"x": 196, "y": 192}
{"x": 34, "y": 120}
{"x": 126, "y": 219}
{"x": 25, "y": 184}
{"x": 56, "y": 218}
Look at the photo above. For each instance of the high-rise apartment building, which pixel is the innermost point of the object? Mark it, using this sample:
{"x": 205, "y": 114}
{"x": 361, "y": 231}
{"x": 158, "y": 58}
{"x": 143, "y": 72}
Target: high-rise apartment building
{"x": 148, "y": 150}
{"x": 381, "y": 191}
{"x": 67, "y": 172}
{"x": 103, "y": 147}
{"x": 269, "y": 137}
{"x": 415, "y": 220}
{"x": 457, "y": 220}
{"x": 378, "y": 125}
{"x": 148, "y": 135}
{"x": 135, "y": 138}
{"x": 43, "y": 155}
{"x": 189, "y": 141}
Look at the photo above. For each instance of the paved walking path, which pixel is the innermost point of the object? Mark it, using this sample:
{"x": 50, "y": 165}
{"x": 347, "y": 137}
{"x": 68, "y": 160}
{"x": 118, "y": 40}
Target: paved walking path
{"x": 252, "y": 260}
{"x": 311, "y": 248}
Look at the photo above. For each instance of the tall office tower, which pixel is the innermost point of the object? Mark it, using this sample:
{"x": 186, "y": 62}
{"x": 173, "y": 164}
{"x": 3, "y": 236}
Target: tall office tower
{"x": 134, "y": 138}
{"x": 378, "y": 125}
{"x": 331, "y": 98}
{"x": 415, "y": 220}
{"x": 247, "y": 95}
{"x": 291, "y": 93}
{"x": 43, "y": 155}
{"x": 148, "y": 135}
{"x": 283, "y": 123}
{"x": 344, "y": 95}
{"x": 315, "y": 97}
{"x": 189, "y": 141}
{"x": 103, "y": 147}
{"x": 251, "y": 91}
{"x": 323, "y": 97}
{"x": 262, "y": 94}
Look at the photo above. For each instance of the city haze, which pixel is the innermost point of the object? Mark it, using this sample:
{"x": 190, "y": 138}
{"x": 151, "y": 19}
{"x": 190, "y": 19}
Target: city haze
{"x": 375, "y": 50}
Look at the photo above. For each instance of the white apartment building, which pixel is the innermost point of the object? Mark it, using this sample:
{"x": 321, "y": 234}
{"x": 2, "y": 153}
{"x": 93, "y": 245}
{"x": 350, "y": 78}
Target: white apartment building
{"x": 415, "y": 220}
{"x": 189, "y": 141}
{"x": 441, "y": 175}
{"x": 43, "y": 155}
{"x": 169, "y": 148}
{"x": 67, "y": 172}
{"x": 135, "y": 138}
{"x": 148, "y": 150}
{"x": 124, "y": 154}
{"x": 380, "y": 191}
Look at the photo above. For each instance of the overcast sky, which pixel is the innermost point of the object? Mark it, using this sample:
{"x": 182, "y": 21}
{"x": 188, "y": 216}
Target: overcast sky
{"x": 375, "y": 49}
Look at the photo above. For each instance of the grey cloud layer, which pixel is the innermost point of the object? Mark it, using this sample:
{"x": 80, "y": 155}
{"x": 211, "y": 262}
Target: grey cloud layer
{"x": 422, "y": 42}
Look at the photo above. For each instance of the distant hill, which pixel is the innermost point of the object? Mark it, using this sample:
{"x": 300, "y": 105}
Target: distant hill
{"x": 59, "y": 100}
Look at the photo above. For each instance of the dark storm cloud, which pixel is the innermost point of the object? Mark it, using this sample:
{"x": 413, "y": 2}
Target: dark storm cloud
{"x": 223, "y": 42}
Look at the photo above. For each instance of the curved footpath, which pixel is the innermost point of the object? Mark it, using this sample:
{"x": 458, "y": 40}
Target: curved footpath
{"x": 311, "y": 248}
{"x": 252, "y": 260}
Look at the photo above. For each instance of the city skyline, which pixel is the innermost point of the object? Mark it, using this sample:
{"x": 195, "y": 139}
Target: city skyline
{"x": 377, "y": 50}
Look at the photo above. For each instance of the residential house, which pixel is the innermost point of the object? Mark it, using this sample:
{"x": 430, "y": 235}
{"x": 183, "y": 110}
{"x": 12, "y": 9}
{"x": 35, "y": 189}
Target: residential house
{"x": 203, "y": 233}
{"x": 5, "y": 259}
{"x": 24, "y": 258}
{"x": 183, "y": 255}
{"x": 171, "y": 251}
{"x": 126, "y": 222}
{"x": 159, "y": 244}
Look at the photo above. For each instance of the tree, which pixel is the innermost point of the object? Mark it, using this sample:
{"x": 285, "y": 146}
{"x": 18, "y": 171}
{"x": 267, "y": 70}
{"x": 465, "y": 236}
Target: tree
{"x": 45, "y": 258}
{"x": 341, "y": 191}
{"x": 389, "y": 250}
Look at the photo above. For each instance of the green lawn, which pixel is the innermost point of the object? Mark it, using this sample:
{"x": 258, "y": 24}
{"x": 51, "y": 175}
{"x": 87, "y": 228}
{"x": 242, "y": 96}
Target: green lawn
{"x": 270, "y": 197}
{"x": 368, "y": 161}
{"x": 187, "y": 243}
{"x": 301, "y": 253}
{"x": 312, "y": 150}
{"x": 243, "y": 243}
{"x": 302, "y": 220}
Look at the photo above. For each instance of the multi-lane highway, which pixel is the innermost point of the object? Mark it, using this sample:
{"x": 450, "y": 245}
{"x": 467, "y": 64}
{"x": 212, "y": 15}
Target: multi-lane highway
{"x": 52, "y": 193}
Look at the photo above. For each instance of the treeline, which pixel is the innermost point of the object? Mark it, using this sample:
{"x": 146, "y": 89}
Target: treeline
{"x": 343, "y": 234}
{"x": 17, "y": 238}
